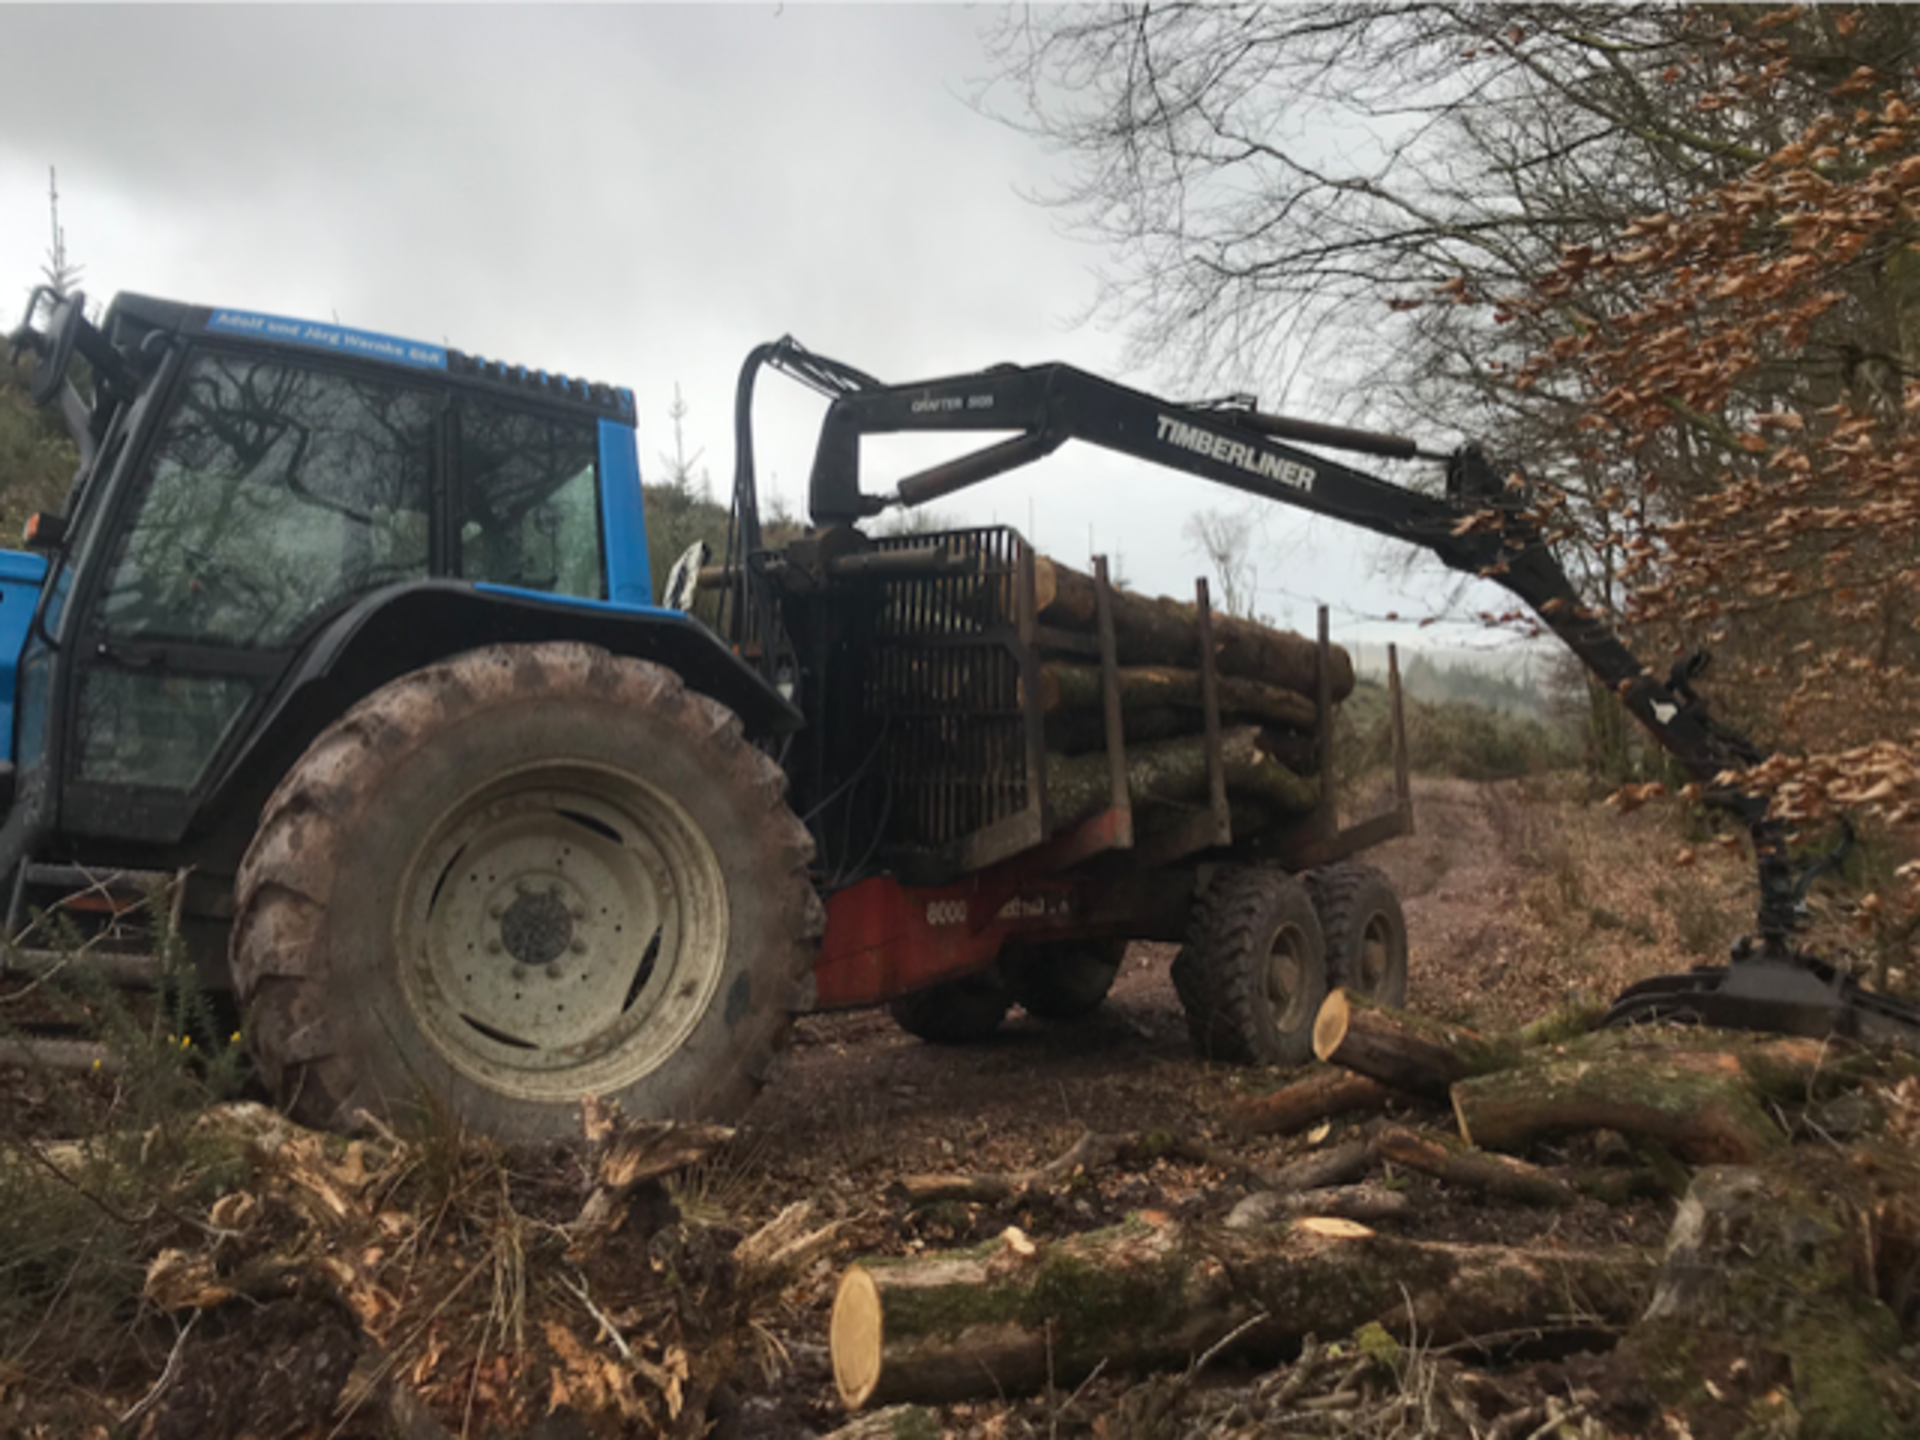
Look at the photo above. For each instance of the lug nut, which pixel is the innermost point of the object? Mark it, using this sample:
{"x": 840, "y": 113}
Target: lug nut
{"x": 553, "y": 970}
{"x": 493, "y": 947}
{"x": 578, "y": 946}
{"x": 519, "y": 972}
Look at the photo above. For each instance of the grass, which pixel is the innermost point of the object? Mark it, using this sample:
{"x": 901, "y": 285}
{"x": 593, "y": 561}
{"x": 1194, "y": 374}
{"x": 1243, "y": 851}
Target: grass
{"x": 80, "y": 1217}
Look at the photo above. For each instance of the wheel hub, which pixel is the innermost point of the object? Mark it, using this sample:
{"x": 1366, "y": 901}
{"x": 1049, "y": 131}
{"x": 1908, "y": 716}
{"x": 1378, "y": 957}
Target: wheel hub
{"x": 1286, "y": 962}
{"x": 537, "y": 927}
{"x": 565, "y": 931}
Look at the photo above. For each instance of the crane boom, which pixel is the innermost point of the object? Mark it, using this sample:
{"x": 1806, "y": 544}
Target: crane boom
{"x": 1480, "y": 524}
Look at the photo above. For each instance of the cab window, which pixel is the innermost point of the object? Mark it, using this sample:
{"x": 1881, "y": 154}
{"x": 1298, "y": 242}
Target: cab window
{"x": 528, "y": 500}
{"x": 273, "y": 492}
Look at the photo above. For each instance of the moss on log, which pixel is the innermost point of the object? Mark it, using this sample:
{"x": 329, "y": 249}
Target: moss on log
{"x": 988, "y": 1321}
{"x": 1763, "y": 1275}
{"x": 1701, "y": 1105}
{"x": 1175, "y": 771}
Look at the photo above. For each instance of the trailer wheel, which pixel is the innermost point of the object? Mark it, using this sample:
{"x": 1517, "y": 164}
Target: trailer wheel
{"x": 1253, "y": 973}
{"x": 957, "y": 1012}
{"x": 1366, "y": 932}
{"x": 1065, "y": 980}
{"x": 516, "y": 877}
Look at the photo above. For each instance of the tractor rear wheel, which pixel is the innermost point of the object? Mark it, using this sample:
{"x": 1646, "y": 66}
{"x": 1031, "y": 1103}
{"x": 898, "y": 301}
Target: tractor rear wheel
{"x": 1065, "y": 980}
{"x": 516, "y": 877}
{"x": 1366, "y": 932}
{"x": 1253, "y": 973}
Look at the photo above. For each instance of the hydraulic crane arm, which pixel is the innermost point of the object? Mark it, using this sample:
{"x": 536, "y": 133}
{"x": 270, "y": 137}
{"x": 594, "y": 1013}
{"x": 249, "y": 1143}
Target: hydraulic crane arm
{"x": 1480, "y": 526}
{"x": 1477, "y": 527}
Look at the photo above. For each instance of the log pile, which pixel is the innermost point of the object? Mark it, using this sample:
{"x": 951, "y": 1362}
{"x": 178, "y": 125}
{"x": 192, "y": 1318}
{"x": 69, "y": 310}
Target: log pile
{"x": 1555, "y": 1121}
{"x": 1267, "y": 682}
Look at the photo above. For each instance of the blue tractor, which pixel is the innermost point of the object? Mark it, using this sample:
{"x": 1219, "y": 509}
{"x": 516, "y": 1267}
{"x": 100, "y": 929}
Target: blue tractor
{"x": 358, "y": 635}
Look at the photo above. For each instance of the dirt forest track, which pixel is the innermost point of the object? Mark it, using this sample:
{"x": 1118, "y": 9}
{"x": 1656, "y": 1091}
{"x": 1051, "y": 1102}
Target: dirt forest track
{"x": 1499, "y": 933}
{"x": 1518, "y": 897}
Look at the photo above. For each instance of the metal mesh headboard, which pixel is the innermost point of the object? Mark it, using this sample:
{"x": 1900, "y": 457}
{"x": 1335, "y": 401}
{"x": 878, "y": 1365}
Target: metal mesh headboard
{"x": 953, "y": 681}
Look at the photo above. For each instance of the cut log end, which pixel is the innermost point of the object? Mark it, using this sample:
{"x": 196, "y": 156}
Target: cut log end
{"x": 855, "y": 1334}
{"x": 1330, "y": 1026}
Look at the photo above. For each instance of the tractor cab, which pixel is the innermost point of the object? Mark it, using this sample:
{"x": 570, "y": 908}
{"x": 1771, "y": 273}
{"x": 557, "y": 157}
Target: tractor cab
{"x": 271, "y": 518}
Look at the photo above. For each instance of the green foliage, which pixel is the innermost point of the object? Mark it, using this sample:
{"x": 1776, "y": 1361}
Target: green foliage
{"x": 1452, "y": 738}
{"x": 1442, "y": 681}
{"x": 80, "y": 1217}
{"x": 37, "y": 459}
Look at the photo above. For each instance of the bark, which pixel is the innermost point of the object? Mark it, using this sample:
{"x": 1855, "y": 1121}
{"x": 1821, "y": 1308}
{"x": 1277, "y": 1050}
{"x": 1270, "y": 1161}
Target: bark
{"x": 630, "y": 1154}
{"x": 992, "y": 1321}
{"x": 1175, "y": 771}
{"x": 1081, "y": 732}
{"x": 1092, "y": 1151}
{"x": 1396, "y": 1047}
{"x": 1364, "y": 1203}
{"x": 1499, "y": 1175}
{"x": 896, "y": 1422}
{"x": 1145, "y": 687}
{"x": 1701, "y": 1105}
{"x": 1306, "y": 1102}
{"x": 1335, "y": 1165}
{"x": 1165, "y": 632}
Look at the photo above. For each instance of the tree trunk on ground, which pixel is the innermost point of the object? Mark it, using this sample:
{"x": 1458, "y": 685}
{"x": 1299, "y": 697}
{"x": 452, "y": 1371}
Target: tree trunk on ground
{"x": 1092, "y": 1151}
{"x": 1701, "y": 1105}
{"x": 1409, "y": 1052}
{"x": 1336, "y": 1165}
{"x": 1307, "y": 1102}
{"x": 1176, "y": 771}
{"x": 938, "y": 1328}
{"x": 1499, "y": 1175}
{"x": 1165, "y": 632}
{"x": 1145, "y": 687}
{"x": 1366, "y": 1203}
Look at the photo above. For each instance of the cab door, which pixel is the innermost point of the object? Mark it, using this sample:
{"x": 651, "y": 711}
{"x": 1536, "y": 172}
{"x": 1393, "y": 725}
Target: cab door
{"x": 271, "y": 493}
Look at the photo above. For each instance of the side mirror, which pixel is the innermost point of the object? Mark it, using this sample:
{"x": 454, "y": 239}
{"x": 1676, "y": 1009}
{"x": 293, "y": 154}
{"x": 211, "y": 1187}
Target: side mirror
{"x": 44, "y": 531}
{"x": 55, "y": 347}
{"x": 684, "y": 579}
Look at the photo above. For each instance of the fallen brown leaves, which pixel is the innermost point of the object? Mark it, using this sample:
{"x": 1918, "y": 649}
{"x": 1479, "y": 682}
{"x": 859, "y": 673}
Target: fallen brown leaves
{"x": 468, "y": 1291}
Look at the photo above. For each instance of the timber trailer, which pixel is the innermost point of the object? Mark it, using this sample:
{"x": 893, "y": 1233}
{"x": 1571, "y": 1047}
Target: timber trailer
{"x": 355, "y": 640}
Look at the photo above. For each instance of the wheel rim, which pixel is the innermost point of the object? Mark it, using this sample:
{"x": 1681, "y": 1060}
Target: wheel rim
{"x": 561, "y": 930}
{"x": 1287, "y": 960}
{"x": 1376, "y": 953}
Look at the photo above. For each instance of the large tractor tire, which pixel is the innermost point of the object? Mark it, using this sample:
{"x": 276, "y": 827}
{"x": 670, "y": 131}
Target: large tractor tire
{"x": 1366, "y": 932}
{"x": 1253, "y": 973}
{"x": 957, "y": 1012}
{"x": 516, "y": 877}
{"x": 1066, "y": 980}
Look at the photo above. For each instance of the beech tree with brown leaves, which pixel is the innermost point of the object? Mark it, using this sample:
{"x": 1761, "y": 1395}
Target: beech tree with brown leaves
{"x": 1747, "y": 364}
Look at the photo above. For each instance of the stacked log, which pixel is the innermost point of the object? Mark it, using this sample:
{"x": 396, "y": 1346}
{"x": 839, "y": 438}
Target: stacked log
{"x": 1267, "y": 685}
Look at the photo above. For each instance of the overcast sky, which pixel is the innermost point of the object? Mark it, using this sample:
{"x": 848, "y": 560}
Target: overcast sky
{"x": 635, "y": 195}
